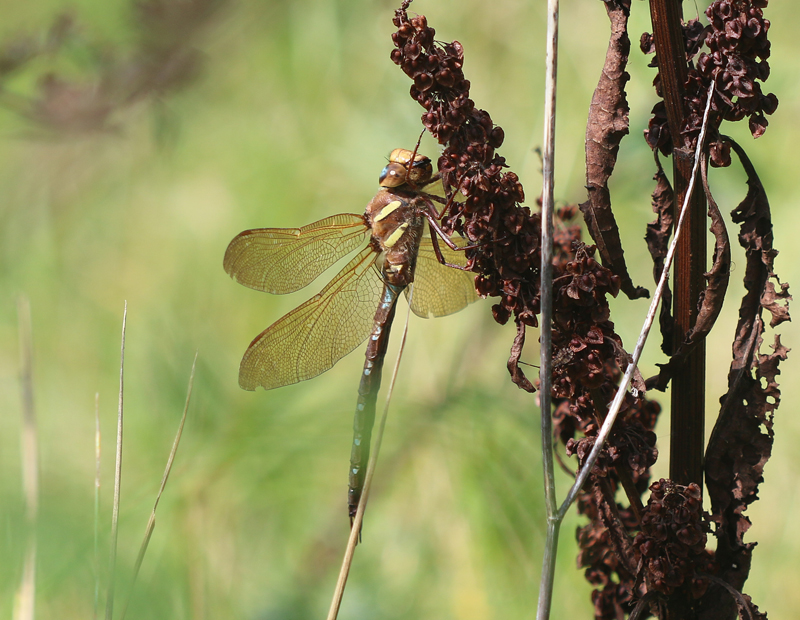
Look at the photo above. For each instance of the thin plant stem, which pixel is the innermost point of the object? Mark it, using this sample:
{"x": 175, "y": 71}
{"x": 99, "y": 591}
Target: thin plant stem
{"x": 151, "y": 522}
{"x": 24, "y": 603}
{"x": 96, "y": 503}
{"x": 546, "y": 271}
{"x": 112, "y": 565}
{"x": 355, "y": 528}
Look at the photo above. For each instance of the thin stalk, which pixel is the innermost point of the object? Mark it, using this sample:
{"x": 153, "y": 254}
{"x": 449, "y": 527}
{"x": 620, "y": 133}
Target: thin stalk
{"x": 355, "y": 528}
{"x": 151, "y": 522}
{"x": 687, "y": 397}
{"x": 546, "y": 270}
{"x": 96, "y": 503}
{"x": 24, "y": 603}
{"x": 112, "y": 565}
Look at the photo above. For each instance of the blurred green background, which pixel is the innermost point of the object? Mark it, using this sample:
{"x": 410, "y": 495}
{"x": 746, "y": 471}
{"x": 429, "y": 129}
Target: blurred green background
{"x": 286, "y": 116}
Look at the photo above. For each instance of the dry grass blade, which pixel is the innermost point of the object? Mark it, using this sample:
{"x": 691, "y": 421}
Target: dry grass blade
{"x": 355, "y": 528}
{"x": 25, "y": 598}
{"x": 96, "y": 503}
{"x": 117, "y": 477}
{"x": 151, "y": 523}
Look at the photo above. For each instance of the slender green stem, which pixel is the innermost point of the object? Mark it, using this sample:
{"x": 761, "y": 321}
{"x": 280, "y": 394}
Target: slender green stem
{"x": 96, "y": 504}
{"x": 151, "y": 522}
{"x": 546, "y": 370}
{"x": 548, "y": 568}
{"x": 112, "y": 564}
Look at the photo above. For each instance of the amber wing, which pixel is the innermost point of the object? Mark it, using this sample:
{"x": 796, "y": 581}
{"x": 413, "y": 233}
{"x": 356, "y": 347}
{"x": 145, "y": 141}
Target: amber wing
{"x": 439, "y": 290}
{"x": 284, "y": 260}
{"x": 314, "y": 336}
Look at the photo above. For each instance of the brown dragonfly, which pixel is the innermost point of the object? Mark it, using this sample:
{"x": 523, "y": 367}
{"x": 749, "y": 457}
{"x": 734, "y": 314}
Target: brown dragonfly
{"x": 359, "y": 303}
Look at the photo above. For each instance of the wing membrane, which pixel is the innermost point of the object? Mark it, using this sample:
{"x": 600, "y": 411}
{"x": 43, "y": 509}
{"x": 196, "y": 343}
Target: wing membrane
{"x": 283, "y": 260}
{"x": 441, "y": 290}
{"x": 314, "y": 336}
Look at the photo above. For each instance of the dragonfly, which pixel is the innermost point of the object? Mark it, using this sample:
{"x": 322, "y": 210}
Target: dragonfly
{"x": 359, "y": 302}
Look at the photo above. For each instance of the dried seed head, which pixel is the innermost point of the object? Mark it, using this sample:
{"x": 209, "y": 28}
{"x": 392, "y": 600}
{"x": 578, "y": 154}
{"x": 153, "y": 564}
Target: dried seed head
{"x": 506, "y": 234}
{"x": 672, "y": 539}
{"x": 736, "y": 63}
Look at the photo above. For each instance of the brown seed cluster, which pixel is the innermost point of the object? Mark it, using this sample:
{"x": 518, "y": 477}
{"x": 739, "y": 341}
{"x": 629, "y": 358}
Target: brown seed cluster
{"x": 616, "y": 589}
{"x": 672, "y": 541}
{"x": 583, "y": 335}
{"x": 630, "y": 445}
{"x": 506, "y": 234}
{"x": 736, "y": 63}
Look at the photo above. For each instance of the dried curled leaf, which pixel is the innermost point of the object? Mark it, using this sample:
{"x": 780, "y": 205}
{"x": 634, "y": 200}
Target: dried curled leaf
{"x": 517, "y": 376}
{"x": 607, "y": 125}
{"x": 657, "y": 238}
{"x": 741, "y": 442}
{"x": 712, "y": 297}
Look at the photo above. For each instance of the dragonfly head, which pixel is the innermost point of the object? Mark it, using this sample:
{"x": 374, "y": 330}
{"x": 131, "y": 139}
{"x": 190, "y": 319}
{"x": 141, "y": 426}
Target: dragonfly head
{"x": 397, "y": 172}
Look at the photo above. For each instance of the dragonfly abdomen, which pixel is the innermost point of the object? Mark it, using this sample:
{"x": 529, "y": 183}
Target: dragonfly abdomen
{"x": 368, "y": 390}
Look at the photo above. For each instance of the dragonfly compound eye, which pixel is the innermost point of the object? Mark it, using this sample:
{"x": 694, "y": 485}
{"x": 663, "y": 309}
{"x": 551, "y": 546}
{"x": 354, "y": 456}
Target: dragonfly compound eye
{"x": 397, "y": 170}
{"x": 421, "y": 171}
{"x": 393, "y": 175}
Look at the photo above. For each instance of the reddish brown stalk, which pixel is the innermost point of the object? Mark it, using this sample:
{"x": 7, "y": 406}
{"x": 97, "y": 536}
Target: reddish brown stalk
{"x": 688, "y": 389}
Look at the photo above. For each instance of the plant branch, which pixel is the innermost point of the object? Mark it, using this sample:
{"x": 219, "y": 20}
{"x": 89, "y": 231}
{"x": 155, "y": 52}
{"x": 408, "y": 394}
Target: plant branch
{"x": 688, "y": 387}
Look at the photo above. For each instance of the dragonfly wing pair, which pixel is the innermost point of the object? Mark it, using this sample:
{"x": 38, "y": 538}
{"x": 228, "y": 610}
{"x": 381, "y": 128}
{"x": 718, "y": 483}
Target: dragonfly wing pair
{"x": 314, "y": 336}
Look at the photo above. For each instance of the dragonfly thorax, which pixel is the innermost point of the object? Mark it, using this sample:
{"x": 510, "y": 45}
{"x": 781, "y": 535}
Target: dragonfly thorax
{"x": 397, "y": 226}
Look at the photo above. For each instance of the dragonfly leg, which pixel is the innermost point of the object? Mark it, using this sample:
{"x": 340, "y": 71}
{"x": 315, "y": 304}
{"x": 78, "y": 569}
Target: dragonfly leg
{"x": 431, "y": 215}
{"x": 431, "y": 198}
{"x": 433, "y": 179}
{"x": 448, "y": 202}
{"x": 438, "y": 251}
